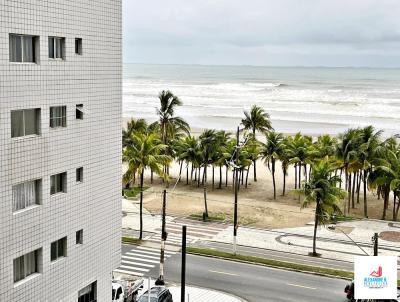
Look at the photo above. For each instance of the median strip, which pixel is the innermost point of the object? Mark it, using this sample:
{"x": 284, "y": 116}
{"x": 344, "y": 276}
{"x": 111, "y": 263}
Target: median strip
{"x": 272, "y": 263}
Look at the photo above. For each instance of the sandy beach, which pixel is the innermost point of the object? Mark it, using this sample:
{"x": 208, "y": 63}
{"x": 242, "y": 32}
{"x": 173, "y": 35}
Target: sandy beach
{"x": 256, "y": 204}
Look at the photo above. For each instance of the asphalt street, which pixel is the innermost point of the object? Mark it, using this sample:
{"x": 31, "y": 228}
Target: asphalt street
{"x": 251, "y": 282}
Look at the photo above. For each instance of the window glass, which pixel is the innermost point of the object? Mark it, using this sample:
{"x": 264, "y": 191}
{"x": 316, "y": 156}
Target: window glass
{"x": 79, "y": 111}
{"x": 17, "y": 123}
{"x": 25, "y": 265}
{"x": 78, "y": 46}
{"x": 28, "y": 49}
{"x": 58, "y": 116}
{"x": 53, "y": 251}
{"x": 51, "y": 47}
{"x": 25, "y": 195}
{"x": 31, "y": 121}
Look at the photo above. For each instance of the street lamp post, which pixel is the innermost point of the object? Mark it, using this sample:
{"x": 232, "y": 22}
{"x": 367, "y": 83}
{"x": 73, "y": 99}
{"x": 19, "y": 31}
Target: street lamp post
{"x": 160, "y": 280}
{"x": 235, "y": 222}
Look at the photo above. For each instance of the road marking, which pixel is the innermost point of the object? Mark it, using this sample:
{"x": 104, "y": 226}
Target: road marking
{"x": 223, "y": 273}
{"x": 128, "y": 272}
{"x": 141, "y": 259}
{"x": 137, "y": 263}
{"x": 127, "y": 267}
{"x": 302, "y": 286}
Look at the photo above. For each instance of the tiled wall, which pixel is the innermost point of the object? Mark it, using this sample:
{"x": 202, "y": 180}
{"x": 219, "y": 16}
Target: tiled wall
{"x": 94, "y": 143}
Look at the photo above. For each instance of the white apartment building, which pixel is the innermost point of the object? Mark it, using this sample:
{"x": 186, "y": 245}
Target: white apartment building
{"x": 60, "y": 149}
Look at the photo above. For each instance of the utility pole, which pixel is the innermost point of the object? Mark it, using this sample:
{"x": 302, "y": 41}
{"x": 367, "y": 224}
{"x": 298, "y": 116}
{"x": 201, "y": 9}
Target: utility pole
{"x": 375, "y": 241}
{"x": 235, "y": 222}
{"x": 160, "y": 280}
{"x": 183, "y": 267}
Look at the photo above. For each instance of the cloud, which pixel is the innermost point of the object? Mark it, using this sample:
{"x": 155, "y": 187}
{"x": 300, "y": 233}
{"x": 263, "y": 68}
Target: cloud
{"x": 232, "y": 31}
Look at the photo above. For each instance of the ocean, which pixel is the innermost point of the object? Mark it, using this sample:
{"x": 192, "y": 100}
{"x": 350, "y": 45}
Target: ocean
{"x": 310, "y": 100}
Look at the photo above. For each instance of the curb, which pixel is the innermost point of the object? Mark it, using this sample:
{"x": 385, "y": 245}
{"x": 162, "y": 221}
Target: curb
{"x": 273, "y": 266}
{"x": 215, "y": 290}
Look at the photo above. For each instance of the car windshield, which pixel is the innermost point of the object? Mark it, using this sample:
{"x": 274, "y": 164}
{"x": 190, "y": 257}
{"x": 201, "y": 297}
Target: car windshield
{"x": 145, "y": 298}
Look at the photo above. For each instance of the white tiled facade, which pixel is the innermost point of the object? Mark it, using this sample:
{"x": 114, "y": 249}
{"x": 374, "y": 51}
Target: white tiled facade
{"x": 94, "y": 143}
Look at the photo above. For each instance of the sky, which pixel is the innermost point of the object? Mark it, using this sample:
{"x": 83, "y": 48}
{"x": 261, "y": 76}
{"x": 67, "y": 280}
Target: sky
{"x": 333, "y": 33}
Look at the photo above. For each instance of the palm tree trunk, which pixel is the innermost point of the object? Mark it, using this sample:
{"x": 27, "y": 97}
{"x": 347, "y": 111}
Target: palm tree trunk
{"x": 226, "y": 176}
{"x": 352, "y": 191}
{"x": 273, "y": 175}
{"x": 394, "y": 205}
{"x": 397, "y": 210}
{"x": 180, "y": 171}
{"x": 284, "y": 182}
{"x": 295, "y": 176}
{"x": 385, "y": 202}
{"x": 341, "y": 179}
{"x": 359, "y": 177}
{"x": 242, "y": 173}
{"x": 349, "y": 192}
{"x": 205, "y": 190}
{"x": 247, "y": 176}
{"x": 141, "y": 206}
{"x": 187, "y": 173}
{"x": 305, "y": 172}
{"x": 213, "y": 184}
{"x": 365, "y": 194}
{"x": 220, "y": 177}
{"x": 299, "y": 184}
{"x": 255, "y": 161}
{"x": 198, "y": 178}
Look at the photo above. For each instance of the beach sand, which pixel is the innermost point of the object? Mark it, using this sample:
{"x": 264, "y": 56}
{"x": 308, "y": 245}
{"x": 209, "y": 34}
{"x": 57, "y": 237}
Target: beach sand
{"x": 256, "y": 205}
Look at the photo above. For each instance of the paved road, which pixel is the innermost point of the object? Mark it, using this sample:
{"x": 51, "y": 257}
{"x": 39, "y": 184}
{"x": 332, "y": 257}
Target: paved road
{"x": 251, "y": 282}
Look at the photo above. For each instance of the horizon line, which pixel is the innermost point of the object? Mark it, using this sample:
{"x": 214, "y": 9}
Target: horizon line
{"x": 268, "y": 66}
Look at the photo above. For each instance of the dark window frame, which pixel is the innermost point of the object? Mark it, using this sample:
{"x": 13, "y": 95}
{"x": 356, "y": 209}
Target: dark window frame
{"x": 58, "y": 249}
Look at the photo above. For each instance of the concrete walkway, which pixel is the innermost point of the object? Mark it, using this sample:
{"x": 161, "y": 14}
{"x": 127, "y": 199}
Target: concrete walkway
{"x": 195, "y": 294}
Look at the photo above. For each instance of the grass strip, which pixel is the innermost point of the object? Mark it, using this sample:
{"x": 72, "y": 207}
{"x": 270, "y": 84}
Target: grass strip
{"x": 273, "y": 263}
{"x": 130, "y": 240}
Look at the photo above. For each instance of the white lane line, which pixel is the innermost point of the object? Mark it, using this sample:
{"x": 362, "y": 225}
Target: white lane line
{"x": 155, "y": 253}
{"x": 141, "y": 259}
{"x": 127, "y": 267}
{"x": 223, "y": 273}
{"x": 302, "y": 286}
{"x": 145, "y": 256}
{"x": 152, "y": 249}
{"x": 137, "y": 263}
{"x": 128, "y": 272}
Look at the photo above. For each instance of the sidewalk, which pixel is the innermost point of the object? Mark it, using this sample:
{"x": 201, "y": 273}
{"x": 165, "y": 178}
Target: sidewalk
{"x": 195, "y": 294}
{"x": 332, "y": 244}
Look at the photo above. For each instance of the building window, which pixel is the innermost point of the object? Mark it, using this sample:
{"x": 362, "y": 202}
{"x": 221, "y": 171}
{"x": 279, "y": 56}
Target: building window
{"x": 25, "y": 122}
{"x": 58, "y": 183}
{"x": 79, "y": 174}
{"x": 58, "y": 249}
{"x": 79, "y": 111}
{"x": 56, "y": 47}
{"x": 88, "y": 293}
{"x": 79, "y": 237}
{"x": 58, "y": 116}
{"x": 26, "y": 265}
{"x": 23, "y": 48}
{"x": 78, "y": 46}
{"x": 26, "y": 194}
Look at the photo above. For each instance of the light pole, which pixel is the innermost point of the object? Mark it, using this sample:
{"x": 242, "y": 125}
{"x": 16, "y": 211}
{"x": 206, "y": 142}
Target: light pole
{"x": 160, "y": 280}
{"x": 236, "y": 168}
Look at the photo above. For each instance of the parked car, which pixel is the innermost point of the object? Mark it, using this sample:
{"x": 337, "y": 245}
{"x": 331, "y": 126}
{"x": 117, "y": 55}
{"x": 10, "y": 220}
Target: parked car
{"x": 157, "y": 294}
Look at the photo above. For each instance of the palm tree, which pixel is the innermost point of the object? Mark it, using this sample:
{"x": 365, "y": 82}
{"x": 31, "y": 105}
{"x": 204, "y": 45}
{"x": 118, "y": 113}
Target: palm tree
{"x": 284, "y": 158}
{"x": 346, "y": 152}
{"x": 208, "y": 141}
{"x": 132, "y": 126}
{"x": 169, "y": 124}
{"x": 145, "y": 151}
{"x": 322, "y": 190}
{"x": 366, "y": 154}
{"x": 270, "y": 152}
{"x": 256, "y": 120}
